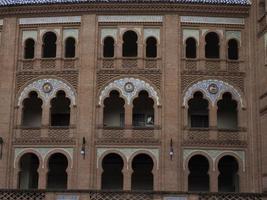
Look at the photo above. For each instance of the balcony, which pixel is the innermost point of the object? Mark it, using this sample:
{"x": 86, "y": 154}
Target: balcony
{"x": 34, "y": 135}
{"x": 212, "y": 65}
{"x": 48, "y": 64}
{"x": 119, "y": 135}
{"x": 129, "y": 63}
{"x": 122, "y": 195}
{"x": 214, "y": 137}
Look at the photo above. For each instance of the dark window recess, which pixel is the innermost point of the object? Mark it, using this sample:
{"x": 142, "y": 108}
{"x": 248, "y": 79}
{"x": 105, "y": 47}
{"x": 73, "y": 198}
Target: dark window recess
{"x": 112, "y": 177}
{"x": 49, "y": 45}
{"x": 129, "y": 47}
{"x": 212, "y": 48}
{"x": 29, "y": 49}
{"x": 151, "y": 47}
{"x": 199, "y": 121}
{"x": 57, "y": 177}
{"x": 114, "y": 110}
{"x": 60, "y": 110}
{"x": 143, "y": 110}
{"x": 28, "y": 175}
{"x": 191, "y": 48}
{"x": 32, "y": 111}
{"x": 70, "y": 48}
{"x": 198, "y": 178}
{"x": 198, "y": 112}
{"x": 142, "y": 177}
{"x": 232, "y": 50}
{"x": 108, "y": 51}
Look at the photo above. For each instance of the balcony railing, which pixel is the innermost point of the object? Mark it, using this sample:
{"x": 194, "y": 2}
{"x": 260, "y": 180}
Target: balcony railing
{"x": 122, "y": 195}
{"x": 52, "y": 132}
{"x": 128, "y": 134}
{"x": 190, "y": 64}
{"x": 129, "y": 63}
{"x": 48, "y": 64}
{"x": 205, "y": 136}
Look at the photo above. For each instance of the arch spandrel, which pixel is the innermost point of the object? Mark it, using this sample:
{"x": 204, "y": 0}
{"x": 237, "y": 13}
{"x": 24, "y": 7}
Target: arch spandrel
{"x": 47, "y": 89}
{"x": 212, "y": 90}
{"x": 129, "y": 88}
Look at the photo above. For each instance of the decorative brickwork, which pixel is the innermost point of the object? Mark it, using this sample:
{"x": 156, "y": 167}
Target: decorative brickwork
{"x": 44, "y": 141}
{"x": 104, "y": 76}
{"x": 22, "y": 195}
{"x": 58, "y": 133}
{"x": 234, "y": 78}
{"x": 30, "y": 133}
{"x": 119, "y": 196}
{"x": 24, "y": 77}
{"x": 229, "y": 196}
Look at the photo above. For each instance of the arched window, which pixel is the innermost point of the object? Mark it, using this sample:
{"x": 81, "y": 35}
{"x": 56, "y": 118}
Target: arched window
{"x": 57, "y": 177}
{"x": 32, "y": 111}
{"x": 70, "y": 47}
{"x": 49, "y": 45}
{"x": 198, "y": 178}
{"x": 108, "y": 50}
{"x": 112, "y": 177}
{"x": 60, "y": 110}
{"x": 143, "y": 110}
{"x": 142, "y": 177}
{"x": 28, "y": 174}
{"x": 114, "y": 110}
{"x": 227, "y": 112}
{"x": 228, "y": 180}
{"x": 29, "y": 48}
{"x": 129, "y": 47}
{"x": 191, "y": 48}
{"x": 232, "y": 49}
{"x": 151, "y": 47}
{"x": 198, "y": 111}
{"x": 212, "y": 48}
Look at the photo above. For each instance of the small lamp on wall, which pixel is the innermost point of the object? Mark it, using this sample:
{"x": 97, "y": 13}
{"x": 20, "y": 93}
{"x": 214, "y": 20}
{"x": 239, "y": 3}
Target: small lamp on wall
{"x": 83, "y": 148}
{"x": 171, "y": 150}
{"x": 1, "y": 147}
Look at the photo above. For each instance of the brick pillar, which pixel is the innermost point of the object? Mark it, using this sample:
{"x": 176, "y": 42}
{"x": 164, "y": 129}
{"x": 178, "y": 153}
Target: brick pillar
{"x": 9, "y": 37}
{"x": 42, "y": 172}
{"x": 128, "y": 115}
{"x": 127, "y": 177}
{"x": 213, "y": 180}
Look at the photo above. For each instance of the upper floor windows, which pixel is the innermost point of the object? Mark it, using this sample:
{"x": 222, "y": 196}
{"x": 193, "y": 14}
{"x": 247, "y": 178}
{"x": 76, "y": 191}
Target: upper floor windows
{"x": 53, "y": 44}
{"x": 227, "y": 112}
{"x": 143, "y": 110}
{"x": 198, "y": 111}
{"x": 108, "y": 49}
{"x": 60, "y": 110}
{"x": 129, "y": 48}
{"x": 191, "y": 48}
{"x": 29, "y": 48}
{"x": 212, "y": 47}
{"x": 114, "y": 110}
{"x": 70, "y": 47}
{"x": 232, "y": 49}
{"x": 151, "y": 47}
{"x": 32, "y": 111}
{"x": 49, "y": 49}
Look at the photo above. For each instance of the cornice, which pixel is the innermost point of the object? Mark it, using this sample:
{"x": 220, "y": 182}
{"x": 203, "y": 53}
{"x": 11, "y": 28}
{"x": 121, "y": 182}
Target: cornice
{"x": 128, "y": 8}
